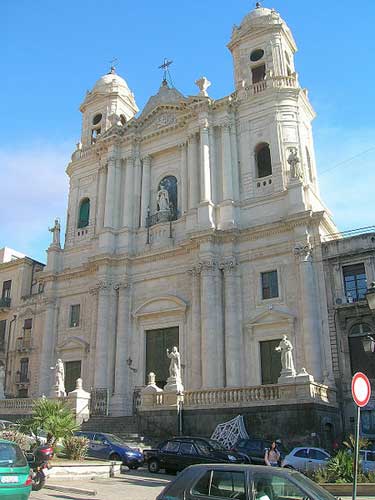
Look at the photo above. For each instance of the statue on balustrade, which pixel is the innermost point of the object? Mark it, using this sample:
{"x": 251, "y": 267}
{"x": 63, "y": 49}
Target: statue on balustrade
{"x": 294, "y": 162}
{"x": 285, "y": 348}
{"x": 163, "y": 199}
{"x": 175, "y": 364}
{"x": 55, "y": 230}
{"x": 59, "y": 379}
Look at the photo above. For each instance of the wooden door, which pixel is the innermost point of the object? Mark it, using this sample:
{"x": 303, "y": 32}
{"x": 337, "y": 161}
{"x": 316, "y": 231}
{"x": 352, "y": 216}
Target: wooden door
{"x": 157, "y": 343}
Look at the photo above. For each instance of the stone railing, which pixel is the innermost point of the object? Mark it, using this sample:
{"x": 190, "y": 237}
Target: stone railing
{"x": 276, "y": 82}
{"x": 262, "y": 395}
{"x": 22, "y": 406}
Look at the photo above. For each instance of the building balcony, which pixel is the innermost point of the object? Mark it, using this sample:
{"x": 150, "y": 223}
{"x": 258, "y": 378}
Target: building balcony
{"x": 5, "y": 303}
{"x": 161, "y": 216}
{"x": 275, "y": 82}
{"x": 24, "y": 344}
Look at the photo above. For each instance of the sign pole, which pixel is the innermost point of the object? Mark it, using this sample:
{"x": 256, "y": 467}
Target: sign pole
{"x": 356, "y": 448}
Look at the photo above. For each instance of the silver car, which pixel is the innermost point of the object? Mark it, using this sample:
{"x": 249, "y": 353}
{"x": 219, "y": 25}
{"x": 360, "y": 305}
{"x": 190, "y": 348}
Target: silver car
{"x": 306, "y": 459}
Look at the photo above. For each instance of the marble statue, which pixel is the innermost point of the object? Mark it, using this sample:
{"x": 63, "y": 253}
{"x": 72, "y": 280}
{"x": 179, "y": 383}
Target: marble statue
{"x": 285, "y": 348}
{"x": 294, "y": 162}
{"x": 55, "y": 230}
{"x": 2, "y": 381}
{"x": 59, "y": 379}
{"x": 175, "y": 364}
{"x": 202, "y": 83}
{"x": 163, "y": 199}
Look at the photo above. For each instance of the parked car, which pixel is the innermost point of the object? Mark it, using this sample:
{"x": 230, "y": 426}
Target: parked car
{"x": 177, "y": 453}
{"x": 242, "y": 482}
{"x": 306, "y": 459}
{"x": 111, "y": 447}
{"x": 255, "y": 448}
{"x": 7, "y": 425}
{"x": 367, "y": 458}
{"x": 15, "y": 480}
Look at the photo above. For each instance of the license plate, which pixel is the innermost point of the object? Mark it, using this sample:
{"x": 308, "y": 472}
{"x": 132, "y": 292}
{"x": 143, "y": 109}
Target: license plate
{"x": 9, "y": 479}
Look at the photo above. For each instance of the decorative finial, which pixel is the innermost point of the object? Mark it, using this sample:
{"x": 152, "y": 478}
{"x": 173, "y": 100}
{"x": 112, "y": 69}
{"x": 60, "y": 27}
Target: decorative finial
{"x": 258, "y": 5}
{"x": 202, "y": 83}
{"x": 165, "y": 68}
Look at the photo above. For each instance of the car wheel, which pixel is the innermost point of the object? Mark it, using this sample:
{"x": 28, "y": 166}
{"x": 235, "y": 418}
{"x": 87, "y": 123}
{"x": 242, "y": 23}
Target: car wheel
{"x": 153, "y": 466}
{"x": 38, "y": 481}
{"x": 116, "y": 457}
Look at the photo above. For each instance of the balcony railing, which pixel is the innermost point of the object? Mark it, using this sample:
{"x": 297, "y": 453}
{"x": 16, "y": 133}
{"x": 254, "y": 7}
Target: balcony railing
{"x": 276, "y": 82}
{"x": 22, "y": 378}
{"x": 24, "y": 344}
{"x": 5, "y": 302}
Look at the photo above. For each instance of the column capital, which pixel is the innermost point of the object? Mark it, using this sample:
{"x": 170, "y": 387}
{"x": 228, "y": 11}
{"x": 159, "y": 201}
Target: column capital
{"x": 192, "y": 137}
{"x": 208, "y": 265}
{"x": 229, "y": 265}
{"x": 146, "y": 159}
{"x": 121, "y": 285}
{"x": 182, "y": 145}
{"x": 194, "y": 271}
{"x": 303, "y": 251}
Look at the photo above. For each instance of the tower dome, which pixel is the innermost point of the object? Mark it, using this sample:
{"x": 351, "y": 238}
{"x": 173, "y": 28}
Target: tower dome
{"x": 106, "y": 83}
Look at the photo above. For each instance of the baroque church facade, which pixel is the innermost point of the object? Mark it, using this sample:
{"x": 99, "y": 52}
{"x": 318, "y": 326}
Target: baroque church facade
{"x": 195, "y": 223}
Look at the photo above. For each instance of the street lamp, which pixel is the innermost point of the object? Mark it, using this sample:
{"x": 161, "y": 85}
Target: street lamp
{"x": 370, "y": 296}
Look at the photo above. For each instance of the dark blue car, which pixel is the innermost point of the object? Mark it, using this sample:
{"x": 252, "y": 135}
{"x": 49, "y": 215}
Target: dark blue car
{"x": 110, "y": 447}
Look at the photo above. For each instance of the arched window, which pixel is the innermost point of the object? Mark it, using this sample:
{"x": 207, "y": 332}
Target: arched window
{"x": 84, "y": 213}
{"x": 309, "y": 165}
{"x": 263, "y": 160}
{"x": 362, "y": 349}
{"x": 170, "y": 184}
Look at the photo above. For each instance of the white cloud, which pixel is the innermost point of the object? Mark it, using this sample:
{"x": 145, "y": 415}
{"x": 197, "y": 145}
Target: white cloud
{"x": 34, "y": 189}
{"x": 348, "y": 189}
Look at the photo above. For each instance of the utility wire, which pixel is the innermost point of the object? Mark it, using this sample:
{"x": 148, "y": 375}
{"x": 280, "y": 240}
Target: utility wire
{"x": 347, "y": 161}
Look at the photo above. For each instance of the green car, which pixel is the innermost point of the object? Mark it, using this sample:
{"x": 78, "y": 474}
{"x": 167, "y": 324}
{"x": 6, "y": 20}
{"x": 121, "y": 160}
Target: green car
{"x": 15, "y": 481}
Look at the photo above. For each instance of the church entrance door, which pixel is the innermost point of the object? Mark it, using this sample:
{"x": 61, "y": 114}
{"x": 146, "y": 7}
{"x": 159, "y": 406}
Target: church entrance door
{"x": 72, "y": 372}
{"x": 270, "y": 361}
{"x": 157, "y": 343}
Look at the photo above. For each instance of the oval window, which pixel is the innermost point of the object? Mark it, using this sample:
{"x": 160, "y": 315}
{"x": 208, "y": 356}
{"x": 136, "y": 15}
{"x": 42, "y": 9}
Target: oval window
{"x": 97, "y": 119}
{"x": 256, "y": 55}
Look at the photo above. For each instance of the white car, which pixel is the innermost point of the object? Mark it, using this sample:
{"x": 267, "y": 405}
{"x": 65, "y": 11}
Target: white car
{"x": 306, "y": 459}
{"x": 367, "y": 458}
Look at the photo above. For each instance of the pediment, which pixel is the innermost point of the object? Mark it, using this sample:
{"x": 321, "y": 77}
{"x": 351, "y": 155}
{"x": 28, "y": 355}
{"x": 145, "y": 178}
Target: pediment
{"x": 167, "y": 304}
{"x": 270, "y": 316}
{"x": 73, "y": 343}
{"x": 163, "y": 116}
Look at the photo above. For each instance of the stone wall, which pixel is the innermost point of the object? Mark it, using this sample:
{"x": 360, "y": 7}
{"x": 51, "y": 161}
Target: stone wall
{"x": 293, "y": 424}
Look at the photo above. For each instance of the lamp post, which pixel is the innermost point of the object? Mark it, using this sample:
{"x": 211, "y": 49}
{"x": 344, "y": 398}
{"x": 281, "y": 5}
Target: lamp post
{"x": 370, "y": 296}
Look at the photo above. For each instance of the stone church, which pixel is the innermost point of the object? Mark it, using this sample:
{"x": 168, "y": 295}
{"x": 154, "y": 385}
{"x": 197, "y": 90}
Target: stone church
{"x": 194, "y": 223}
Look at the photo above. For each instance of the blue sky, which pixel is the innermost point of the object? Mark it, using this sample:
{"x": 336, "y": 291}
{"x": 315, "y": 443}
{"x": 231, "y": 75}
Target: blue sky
{"x": 54, "y": 51}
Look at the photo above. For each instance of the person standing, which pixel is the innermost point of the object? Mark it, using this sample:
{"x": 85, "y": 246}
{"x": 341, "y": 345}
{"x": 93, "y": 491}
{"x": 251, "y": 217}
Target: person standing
{"x": 272, "y": 455}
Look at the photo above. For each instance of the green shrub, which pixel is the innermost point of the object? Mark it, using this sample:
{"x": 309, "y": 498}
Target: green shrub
{"x": 75, "y": 447}
{"x": 19, "y": 438}
{"x": 340, "y": 469}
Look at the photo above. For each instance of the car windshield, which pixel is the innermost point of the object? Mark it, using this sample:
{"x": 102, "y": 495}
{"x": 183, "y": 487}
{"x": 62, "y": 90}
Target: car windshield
{"x": 115, "y": 440}
{"x": 311, "y": 487}
{"x": 215, "y": 445}
{"x": 11, "y": 455}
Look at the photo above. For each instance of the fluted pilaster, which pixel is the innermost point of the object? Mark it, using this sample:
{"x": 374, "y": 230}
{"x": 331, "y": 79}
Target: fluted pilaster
{"x": 146, "y": 188}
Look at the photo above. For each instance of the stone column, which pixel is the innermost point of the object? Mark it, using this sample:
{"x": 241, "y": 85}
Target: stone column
{"x": 46, "y": 354}
{"x": 195, "y": 381}
{"x": 226, "y": 163}
{"x": 146, "y": 189}
{"x": 129, "y": 192}
{"x": 235, "y": 165}
{"x": 232, "y": 327}
{"x": 122, "y": 400}
{"x": 117, "y": 208}
{"x": 205, "y": 164}
{"x": 310, "y": 321}
{"x": 212, "y": 369}
{"x": 110, "y": 190}
{"x": 101, "y": 351}
{"x": 193, "y": 174}
{"x": 183, "y": 185}
{"x": 137, "y": 192}
{"x": 102, "y": 173}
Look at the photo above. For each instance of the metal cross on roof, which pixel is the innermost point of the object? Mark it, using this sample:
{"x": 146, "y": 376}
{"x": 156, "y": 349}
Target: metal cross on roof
{"x": 113, "y": 63}
{"x": 165, "y": 68}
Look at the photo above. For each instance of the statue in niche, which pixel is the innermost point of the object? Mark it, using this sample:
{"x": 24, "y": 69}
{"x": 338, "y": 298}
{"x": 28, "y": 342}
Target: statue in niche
{"x": 55, "y": 230}
{"x": 2, "y": 381}
{"x": 175, "y": 364}
{"x": 59, "y": 378}
{"x": 285, "y": 348}
{"x": 294, "y": 162}
{"x": 163, "y": 199}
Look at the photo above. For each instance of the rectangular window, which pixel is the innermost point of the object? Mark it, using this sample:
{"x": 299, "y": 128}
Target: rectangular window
{"x": 27, "y": 325}
{"x": 258, "y": 73}
{"x": 7, "y": 285}
{"x": 74, "y": 315}
{"x": 3, "y": 325}
{"x": 270, "y": 288}
{"x": 24, "y": 370}
{"x": 72, "y": 372}
{"x": 270, "y": 361}
{"x": 355, "y": 282}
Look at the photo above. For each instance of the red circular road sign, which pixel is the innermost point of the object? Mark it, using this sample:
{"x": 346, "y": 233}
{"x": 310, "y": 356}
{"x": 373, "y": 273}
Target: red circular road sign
{"x": 361, "y": 389}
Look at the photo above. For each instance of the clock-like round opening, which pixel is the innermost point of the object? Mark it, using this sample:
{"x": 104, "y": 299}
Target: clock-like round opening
{"x": 97, "y": 119}
{"x": 256, "y": 55}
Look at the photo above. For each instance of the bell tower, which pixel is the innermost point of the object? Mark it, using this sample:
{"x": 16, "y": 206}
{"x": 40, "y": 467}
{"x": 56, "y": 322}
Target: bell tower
{"x": 108, "y": 103}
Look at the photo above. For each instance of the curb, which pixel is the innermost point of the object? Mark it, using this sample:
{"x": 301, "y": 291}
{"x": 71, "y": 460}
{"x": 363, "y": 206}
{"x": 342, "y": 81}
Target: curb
{"x": 70, "y": 489}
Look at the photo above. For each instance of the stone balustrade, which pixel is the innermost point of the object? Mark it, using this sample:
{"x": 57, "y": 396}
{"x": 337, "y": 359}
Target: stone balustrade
{"x": 277, "y": 82}
{"x": 278, "y": 394}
